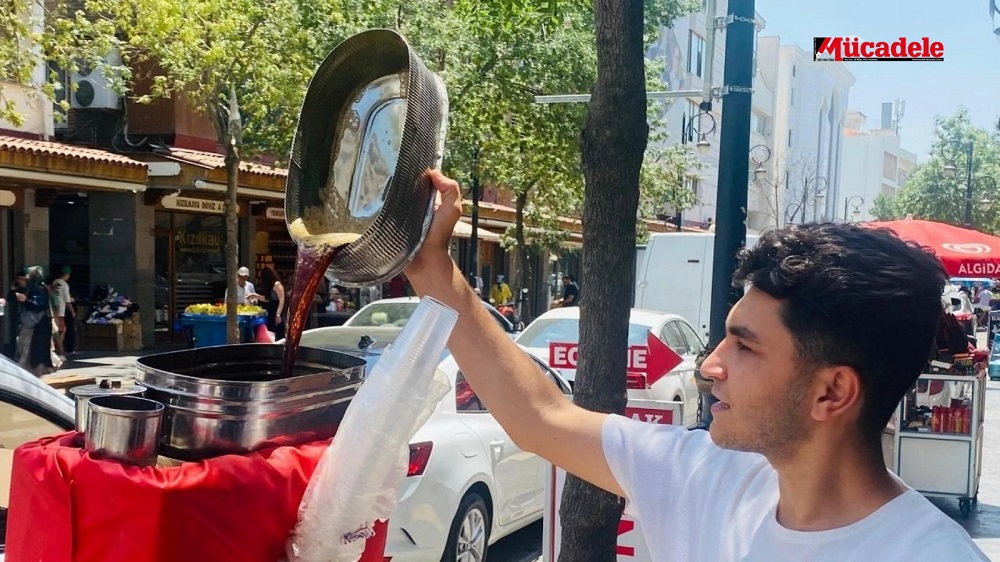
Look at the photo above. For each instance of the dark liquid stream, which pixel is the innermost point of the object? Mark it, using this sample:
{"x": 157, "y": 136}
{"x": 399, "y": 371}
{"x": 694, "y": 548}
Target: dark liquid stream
{"x": 310, "y": 265}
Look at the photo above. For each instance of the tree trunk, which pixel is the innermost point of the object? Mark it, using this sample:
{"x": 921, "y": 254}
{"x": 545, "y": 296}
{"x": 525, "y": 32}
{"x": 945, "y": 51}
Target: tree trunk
{"x": 232, "y": 242}
{"x": 613, "y": 142}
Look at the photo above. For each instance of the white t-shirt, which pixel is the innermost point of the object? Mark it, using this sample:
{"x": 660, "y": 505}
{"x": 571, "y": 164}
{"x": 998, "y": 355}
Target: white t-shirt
{"x": 241, "y": 292}
{"x": 985, "y": 296}
{"x": 62, "y": 289}
{"x": 697, "y": 502}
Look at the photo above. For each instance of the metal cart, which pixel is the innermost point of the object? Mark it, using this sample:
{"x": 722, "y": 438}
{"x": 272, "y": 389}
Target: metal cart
{"x": 941, "y": 463}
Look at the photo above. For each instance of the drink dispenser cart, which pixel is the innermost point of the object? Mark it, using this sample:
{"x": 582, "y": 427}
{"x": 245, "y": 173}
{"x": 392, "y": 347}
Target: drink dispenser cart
{"x": 238, "y": 443}
{"x": 939, "y": 436}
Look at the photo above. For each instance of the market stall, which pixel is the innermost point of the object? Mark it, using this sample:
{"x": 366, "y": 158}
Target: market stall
{"x": 939, "y": 437}
{"x": 936, "y": 435}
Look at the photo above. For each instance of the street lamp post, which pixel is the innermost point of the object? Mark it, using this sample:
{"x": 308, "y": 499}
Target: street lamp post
{"x": 985, "y": 203}
{"x": 950, "y": 170}
{"x": 759, "y": 155}
{"x": 857, "y": 206}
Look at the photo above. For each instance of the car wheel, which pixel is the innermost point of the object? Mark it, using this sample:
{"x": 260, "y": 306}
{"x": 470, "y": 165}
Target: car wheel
{"x": 470, "y": 531}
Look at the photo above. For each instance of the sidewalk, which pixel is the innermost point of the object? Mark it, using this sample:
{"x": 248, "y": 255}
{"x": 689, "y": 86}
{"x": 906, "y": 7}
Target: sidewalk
{"x": 91, "y": 364}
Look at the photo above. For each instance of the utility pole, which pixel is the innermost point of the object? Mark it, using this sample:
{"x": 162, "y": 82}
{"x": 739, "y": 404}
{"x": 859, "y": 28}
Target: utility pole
{"x": 474, "y": 237}
{"x": 734, "y": 145}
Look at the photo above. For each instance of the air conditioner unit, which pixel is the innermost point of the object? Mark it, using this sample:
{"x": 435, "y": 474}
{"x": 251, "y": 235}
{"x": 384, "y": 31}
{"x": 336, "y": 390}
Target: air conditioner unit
{"x": 92, "y": 89}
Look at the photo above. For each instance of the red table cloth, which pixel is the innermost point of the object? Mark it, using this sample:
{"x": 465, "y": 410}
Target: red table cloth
{"x": 66, "y": 506}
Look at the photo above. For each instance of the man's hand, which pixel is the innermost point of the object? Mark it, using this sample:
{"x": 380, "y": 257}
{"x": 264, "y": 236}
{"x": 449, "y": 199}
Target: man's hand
{"x": 21, "y": 297}
{"x": 433, "y": 256}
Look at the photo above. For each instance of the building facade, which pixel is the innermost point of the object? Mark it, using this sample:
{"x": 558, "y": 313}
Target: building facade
{"x": 682, "y": 49}
{"x": 874, "y": 164}
{"x": 810, "y": 101}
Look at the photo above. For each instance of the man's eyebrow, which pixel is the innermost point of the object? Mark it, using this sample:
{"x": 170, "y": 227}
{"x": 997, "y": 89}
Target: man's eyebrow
{"x": 743, "y": 332}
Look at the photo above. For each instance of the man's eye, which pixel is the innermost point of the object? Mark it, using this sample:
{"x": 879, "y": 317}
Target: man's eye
{"x": 741, "y": 347}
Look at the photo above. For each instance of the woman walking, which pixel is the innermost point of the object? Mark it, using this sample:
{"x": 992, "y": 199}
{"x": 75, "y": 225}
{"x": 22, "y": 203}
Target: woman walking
{"x": 34, "y": 341}
{"x": 274, "y": 293}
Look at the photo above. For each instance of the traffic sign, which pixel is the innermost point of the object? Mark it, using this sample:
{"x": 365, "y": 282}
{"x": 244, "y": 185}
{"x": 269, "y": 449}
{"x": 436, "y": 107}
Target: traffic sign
{"x": 655, "y": 359}
{"x": 631, "y": 546}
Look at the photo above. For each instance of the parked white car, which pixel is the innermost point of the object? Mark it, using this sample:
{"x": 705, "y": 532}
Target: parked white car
{"x": 562, "y": 325}
{"x": 468, "y": 484}
{"x": 397, "y": 311}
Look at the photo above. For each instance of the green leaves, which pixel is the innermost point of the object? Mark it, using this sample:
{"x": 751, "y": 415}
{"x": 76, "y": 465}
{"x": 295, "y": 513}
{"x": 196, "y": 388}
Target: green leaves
{"x": 931, "y": 194}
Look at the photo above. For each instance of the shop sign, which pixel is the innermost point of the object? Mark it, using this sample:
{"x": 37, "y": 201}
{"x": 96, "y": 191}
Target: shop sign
{"x": 194, "y": 205}
{"x": 631, "y": 545}
{"x": 7, "y": 198}
{"x": 275, "y": 213}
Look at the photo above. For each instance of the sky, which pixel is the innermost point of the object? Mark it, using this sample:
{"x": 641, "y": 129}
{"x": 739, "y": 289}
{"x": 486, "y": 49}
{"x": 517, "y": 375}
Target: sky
{"x": 969, "y": 74}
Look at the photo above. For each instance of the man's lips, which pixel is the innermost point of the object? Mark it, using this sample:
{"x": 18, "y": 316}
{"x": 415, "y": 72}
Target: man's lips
{"x": 721, "y": 405}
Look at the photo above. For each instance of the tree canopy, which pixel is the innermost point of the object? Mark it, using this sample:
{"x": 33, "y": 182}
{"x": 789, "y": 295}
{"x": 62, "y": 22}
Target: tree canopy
{"x": 932, "y": 194}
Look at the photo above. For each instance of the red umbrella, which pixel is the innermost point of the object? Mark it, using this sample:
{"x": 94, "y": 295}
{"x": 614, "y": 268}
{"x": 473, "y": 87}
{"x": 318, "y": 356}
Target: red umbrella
{"x": 964, "y": 252}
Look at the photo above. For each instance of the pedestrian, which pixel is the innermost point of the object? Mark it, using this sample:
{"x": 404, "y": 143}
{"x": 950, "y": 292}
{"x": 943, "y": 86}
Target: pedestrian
{"x": 834, "y": 327}
{"x": 34, "y": 340}
{"x": 983, "y": 300}
{"x": 500, "y": 291}
{"x": 245, "y": 291}
{"x": 274, "y": 304}
{"x": 571, "y": 293}
{"x": 64, "y": 312}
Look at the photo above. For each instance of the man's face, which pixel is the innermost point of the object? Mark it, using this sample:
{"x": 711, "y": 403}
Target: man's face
{"x": 565, "y": 280}
{"x": 241, "y": 279}
{"x": 760, "y": 384}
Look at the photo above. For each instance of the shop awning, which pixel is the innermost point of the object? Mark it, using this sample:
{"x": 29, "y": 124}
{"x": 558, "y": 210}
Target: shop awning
{"x": 206, "y": 171}
{"x": 30, "y": 163}
{"x": 464, "y": 230}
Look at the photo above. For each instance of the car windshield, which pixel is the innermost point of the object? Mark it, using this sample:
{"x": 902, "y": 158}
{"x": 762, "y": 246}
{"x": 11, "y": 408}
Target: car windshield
{"x": 567, "y": 330}
{"x": 384, "y": 314}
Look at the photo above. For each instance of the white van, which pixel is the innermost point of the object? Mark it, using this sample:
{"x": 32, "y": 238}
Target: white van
{"x": 674, "y": 274}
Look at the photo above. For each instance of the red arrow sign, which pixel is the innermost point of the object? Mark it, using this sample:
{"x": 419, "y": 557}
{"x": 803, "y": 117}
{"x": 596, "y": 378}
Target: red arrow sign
{"x": 655, "y": 359}
{"x": 661, "y": 359}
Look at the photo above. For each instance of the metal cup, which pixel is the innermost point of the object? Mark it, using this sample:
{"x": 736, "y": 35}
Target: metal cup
{"x": 106, "y": 387}
{"x": 124, "y": 428}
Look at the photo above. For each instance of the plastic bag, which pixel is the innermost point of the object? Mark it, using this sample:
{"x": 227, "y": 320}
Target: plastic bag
{"x": 357, "y": 481}
{"x": 264, "y": 335}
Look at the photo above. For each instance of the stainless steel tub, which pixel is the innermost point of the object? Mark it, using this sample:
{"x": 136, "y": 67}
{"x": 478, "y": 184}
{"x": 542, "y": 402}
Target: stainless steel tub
{"x": 233, "y": 399}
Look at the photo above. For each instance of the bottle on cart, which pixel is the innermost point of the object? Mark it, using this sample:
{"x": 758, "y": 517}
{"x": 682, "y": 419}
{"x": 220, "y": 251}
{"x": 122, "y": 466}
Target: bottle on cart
{"x": 947, "y": 420}
{"x": 958, "y": 421}
{"x": 936, "y": 419}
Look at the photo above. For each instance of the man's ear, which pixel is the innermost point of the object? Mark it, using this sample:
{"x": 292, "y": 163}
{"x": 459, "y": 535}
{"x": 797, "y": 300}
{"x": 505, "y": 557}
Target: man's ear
{"x": 836, "y": 391}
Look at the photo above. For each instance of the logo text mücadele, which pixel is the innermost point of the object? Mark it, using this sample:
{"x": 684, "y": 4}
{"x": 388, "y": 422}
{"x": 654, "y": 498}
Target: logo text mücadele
{"x": 855, "y": 49}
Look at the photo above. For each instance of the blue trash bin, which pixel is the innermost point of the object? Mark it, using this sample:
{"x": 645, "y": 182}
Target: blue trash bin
{"x": 210, "y": 330}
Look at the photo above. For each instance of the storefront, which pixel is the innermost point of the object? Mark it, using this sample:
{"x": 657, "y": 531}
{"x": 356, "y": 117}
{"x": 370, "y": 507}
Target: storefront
{"x": 190, "y": 257}
{"x": 187, "y": 191}
{"x": 66, "y": 205}
{"x": 272, "y": 243}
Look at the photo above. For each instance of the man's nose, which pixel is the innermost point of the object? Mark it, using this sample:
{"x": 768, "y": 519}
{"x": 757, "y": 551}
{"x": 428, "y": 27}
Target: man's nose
{"x": 712, "y": 367}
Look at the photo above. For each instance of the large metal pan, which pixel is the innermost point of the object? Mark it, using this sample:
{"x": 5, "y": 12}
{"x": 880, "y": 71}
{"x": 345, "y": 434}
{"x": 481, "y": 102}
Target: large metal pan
{"x": 371, "y": 127}
{"x": 233, "y": 398}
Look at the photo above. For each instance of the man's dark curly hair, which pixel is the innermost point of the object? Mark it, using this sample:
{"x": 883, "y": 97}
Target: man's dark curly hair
{"x": 853, "y": 296}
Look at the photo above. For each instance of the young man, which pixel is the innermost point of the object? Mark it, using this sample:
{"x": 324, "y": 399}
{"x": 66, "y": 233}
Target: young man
{"x": 571, "y": 293}
{"x": 793, "y": 468}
